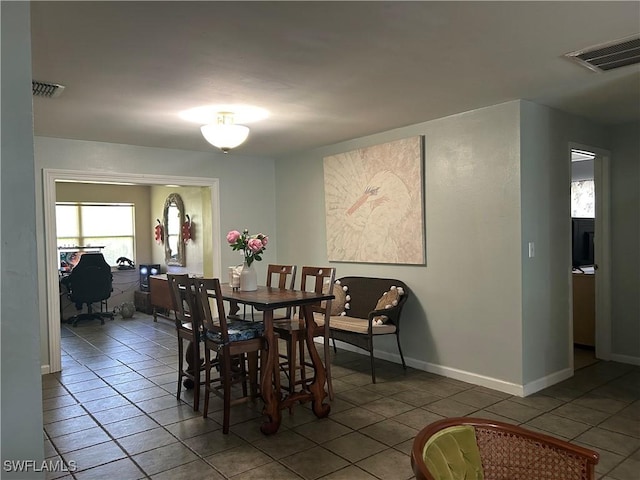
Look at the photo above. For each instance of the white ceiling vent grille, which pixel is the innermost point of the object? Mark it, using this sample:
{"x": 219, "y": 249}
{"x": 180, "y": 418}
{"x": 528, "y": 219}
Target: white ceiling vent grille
{"x": 609, "y": 56}
{"x": 45, "y": 89}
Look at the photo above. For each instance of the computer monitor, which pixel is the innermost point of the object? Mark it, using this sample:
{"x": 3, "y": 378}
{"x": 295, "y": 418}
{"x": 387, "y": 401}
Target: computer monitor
{"x": 583, "y": 230}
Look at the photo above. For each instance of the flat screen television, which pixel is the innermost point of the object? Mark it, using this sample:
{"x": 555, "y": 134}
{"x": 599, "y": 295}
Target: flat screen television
{"x": 583, "y": 230}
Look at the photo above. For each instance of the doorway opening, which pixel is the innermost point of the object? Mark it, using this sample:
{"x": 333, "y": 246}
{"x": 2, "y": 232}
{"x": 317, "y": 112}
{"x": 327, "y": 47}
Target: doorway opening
{"x": 50, "y": 177}
{"x": 589, "y": 256}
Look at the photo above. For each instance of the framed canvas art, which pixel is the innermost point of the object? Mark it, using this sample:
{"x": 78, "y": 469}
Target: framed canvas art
{"x": 374, "y": 199}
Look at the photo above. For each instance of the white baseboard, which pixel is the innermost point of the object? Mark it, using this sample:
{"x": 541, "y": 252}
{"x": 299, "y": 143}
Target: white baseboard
{"x": 544, "y": 382}
{"x": 44, "y": 369}
{"x": 469, "y": 377}
{"x": 625, "y": 359}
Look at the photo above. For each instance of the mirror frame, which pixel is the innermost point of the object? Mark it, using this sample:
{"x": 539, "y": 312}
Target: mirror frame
{"x": 179, "y": 259}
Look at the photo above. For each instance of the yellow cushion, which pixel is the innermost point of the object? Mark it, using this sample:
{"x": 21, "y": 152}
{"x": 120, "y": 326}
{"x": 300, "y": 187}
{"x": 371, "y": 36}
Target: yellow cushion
{"x": 452, "y": 454}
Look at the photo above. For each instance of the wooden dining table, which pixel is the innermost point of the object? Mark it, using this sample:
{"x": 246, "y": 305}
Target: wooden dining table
{"x": 266, "y": 300}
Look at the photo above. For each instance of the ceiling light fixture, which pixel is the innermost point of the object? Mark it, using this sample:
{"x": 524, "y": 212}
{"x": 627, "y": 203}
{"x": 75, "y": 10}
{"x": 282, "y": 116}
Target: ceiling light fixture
{"x": 225, "y": 134}
{"x": 219, "y": 125}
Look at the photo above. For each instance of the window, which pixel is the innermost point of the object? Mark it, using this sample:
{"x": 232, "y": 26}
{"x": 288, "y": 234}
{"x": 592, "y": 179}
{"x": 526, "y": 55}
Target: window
{"x": 91, "y": 224}
{"x": 583, "y": 199}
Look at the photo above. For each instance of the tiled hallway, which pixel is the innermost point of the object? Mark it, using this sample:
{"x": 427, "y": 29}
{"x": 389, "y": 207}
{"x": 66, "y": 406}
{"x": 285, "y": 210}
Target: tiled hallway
{"x": 112, "y": 411}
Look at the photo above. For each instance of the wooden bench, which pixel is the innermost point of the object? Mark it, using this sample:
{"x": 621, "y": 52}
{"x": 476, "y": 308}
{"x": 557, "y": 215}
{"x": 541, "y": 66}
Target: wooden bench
{"x": 357, "y": 326}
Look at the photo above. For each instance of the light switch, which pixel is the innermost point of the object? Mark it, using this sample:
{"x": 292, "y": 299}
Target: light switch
{"x": 532, "y": 250}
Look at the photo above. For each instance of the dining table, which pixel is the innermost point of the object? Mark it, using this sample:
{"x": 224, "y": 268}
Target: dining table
{"x": 266, "y": 300}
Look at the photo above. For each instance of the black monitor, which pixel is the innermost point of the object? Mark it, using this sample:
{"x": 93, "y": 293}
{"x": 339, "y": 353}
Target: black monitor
{"x": 583, "y": 230}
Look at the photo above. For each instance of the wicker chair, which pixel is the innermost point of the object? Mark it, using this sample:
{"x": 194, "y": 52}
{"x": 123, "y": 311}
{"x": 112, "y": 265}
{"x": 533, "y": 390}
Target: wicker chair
{"x": 491, "y": 450}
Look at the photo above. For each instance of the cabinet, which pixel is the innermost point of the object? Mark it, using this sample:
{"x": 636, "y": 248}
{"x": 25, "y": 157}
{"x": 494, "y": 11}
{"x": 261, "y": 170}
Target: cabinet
{"x": 160, "y": 296}
{"x": 142, "y": 301}
{"x": 584, "y": 309}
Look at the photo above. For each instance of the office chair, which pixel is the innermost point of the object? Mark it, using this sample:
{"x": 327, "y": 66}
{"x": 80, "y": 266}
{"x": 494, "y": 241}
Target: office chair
{"x": 89, "y": 282}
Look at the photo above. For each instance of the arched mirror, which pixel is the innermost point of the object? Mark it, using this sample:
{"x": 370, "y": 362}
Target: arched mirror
{"x": 173, "y": 218}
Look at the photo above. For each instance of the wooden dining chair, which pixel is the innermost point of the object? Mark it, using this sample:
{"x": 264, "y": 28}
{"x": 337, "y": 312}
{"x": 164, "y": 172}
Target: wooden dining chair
{"x": 280, "y": 276}
{"x": 189, "y": 329}
{"x": 230, "y": 340}
{"x": 319, "y": 280}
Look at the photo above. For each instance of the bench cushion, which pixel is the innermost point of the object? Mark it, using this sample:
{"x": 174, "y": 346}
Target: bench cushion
{"x": 352, "y": 324}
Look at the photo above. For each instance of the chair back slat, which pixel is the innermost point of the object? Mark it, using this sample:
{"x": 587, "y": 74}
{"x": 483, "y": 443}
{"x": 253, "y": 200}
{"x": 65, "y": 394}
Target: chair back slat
{"x": 314, "y": 279}
{"x": 282, "y": 273}
{"x": 205, "y": 287}
{"x": 183, "y": 300}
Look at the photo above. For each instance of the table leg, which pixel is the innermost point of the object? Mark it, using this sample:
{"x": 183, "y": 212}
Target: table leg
{"x": 269, "y": 370}
{"x": 316, "y": 388}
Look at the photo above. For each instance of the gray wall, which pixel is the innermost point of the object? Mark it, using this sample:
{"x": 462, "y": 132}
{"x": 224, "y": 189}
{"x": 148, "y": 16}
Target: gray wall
{"x": 21, "y": 423}
{"x": 625, "y": 243}
{"x": 467, "y": 299}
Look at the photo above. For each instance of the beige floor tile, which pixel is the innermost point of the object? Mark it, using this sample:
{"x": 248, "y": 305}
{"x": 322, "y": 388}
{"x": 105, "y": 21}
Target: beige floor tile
{"x": 388, "y": 465}
{"x": 192, "y": 427}
{"x": 389, "y": 432}
{"x": 322, "y": 430}
{"x": 123, "y": 469}
{"x": 95, "y": 455}
{"x": 581, "y": 414}
{"x": 349, "y": 473}
{"x": 621, "y": 424}
{"x": 238, "y": 460}
{"x": 164, "y": 458}
{"x": 476, "y": 398}
{"x": 268, "y": 471}
{"x": 354, "y": 446}
{"x": 627, "y": 470}
{"x": 147, "y": 440}
{"x": 357, "y": 418}
{"x": 214, "y": 442}
{"x": 196, "y": 470}
{"x": 516, "y": 411}
{"x": 418, "y": 417}
{"x": 554, "y": 424}
{"x": 314, "y": 463}
{"x": 283, "y": 444}
{"x": 388, "y": 407}
{"x": 611, "y": 441}
{"x": 82, "y": 439}
{"x": 450, "y": 408}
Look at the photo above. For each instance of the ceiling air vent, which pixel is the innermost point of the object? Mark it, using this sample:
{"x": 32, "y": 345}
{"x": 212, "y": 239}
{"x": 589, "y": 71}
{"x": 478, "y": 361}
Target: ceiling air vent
{"x": 609, "y": 56}
{"x": 45, "y": 89}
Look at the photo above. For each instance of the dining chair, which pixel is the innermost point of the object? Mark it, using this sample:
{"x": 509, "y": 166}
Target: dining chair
{"x": 189, "y": 329}
{"x": 230, "y": 340}
{"x": 286, "y": 278}
{"x": 281, "y": 276}
{"x": 319, "y": 280}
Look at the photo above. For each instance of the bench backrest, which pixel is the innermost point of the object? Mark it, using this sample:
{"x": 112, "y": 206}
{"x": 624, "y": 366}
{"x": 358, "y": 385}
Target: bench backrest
{"x": 366, "y": 291}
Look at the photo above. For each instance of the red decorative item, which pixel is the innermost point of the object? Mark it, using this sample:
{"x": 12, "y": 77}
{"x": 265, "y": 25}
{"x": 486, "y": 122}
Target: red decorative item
{"x": 186, "y": 230}
{"x": 159, "y": 234}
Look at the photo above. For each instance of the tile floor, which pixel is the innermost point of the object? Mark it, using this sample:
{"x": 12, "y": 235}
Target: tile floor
{"x": 113, "y": 412}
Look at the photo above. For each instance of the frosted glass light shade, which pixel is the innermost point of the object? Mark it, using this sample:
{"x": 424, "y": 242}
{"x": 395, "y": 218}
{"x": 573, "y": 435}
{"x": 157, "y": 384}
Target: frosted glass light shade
{"x": 225, "y": 136}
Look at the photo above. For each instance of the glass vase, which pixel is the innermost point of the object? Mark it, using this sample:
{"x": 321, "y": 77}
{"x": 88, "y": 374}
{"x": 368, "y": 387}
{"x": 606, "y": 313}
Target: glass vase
{"x": 248, "y": 278}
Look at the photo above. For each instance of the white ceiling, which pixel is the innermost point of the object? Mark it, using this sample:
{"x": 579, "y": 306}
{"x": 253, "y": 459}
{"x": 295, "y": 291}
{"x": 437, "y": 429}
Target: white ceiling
{"x": 327, "y": 71}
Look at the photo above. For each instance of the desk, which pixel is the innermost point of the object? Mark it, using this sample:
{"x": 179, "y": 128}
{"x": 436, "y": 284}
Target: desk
{"x": 268, "y": 299}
